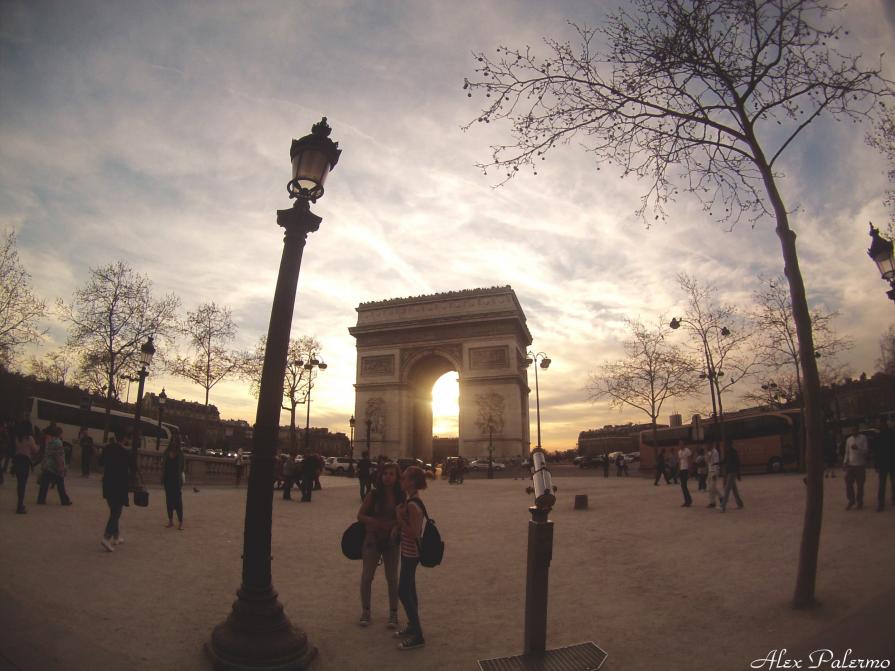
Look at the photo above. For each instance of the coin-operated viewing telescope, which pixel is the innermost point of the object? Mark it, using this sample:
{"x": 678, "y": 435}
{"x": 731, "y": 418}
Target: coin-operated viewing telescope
{"x": 541, "y": 481}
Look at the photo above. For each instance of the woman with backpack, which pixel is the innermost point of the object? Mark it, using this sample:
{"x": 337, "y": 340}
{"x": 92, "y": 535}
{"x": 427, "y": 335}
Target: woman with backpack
{"x": 410, "y": 517}
{"x": 377, "y": 513}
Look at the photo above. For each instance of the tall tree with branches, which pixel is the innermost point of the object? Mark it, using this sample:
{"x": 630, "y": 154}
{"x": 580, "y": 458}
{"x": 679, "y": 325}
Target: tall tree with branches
{"x": 704, "y": 96}
{"x": 20, "y": 310}
{"x": 110, "y": 318}
{"x": 882, "y": 138}
{"x": 54, "y": 366}
{"x": 295, "y": 383}
{"x": 209, "y": 330}
{"x": 779, "y": 345}
{"x": 652, "y": 372}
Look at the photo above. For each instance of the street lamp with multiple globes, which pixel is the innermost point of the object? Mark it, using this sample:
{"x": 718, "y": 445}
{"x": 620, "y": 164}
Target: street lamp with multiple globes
{"x": 312, "y": 363}
{"x": 351, "y": 423}
{"x": 257, "y": 634}
{"x": 882, "y": 251}
{"x": 162, "y": 399}
{"x": 711, "y": 374}
{"x": 542, "y": 361}
{"x": 147, "y": 350}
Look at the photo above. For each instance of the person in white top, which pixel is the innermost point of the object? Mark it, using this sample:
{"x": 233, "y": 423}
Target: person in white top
{"x": 683, "y": 457}
{"x": 714, "y": 463}
{"x": 855, "y": 463}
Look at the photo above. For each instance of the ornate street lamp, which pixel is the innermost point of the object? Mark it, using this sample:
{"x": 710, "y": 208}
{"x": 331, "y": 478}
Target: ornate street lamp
{"x": 883, "y": 255}
{"x": 147, "y": 350}
{"x": 162, "y": 399}
{"x": 352, "y": 423}
{"x": 545, "y": 364}
{"x": 312, "y": 363}
{"x": 257, "y": 634}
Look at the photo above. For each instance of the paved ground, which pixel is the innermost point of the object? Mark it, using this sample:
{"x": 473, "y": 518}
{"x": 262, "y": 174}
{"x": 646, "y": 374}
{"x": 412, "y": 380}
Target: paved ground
{"x": 656, "y": 585}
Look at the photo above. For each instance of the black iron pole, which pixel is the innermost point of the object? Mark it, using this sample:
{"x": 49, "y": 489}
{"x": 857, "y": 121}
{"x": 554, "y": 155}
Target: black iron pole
{"x": 138, "y": 412}
{"x": 257, "y": 634}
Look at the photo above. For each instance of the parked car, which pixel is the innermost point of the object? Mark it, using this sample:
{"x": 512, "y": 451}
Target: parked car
{"x": 482, "y": 465}
{"x": 595, "y": 461}
{"x": 428, "y": 469}
{"x": 632, "y": 456}
{"x": 337, "y": 465}
{"x": 192, "y": 450}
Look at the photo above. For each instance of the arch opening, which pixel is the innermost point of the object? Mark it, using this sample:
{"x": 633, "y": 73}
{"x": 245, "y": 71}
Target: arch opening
{"x": 422, "y": 380}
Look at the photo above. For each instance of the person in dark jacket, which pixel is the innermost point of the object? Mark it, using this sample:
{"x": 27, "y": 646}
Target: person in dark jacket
{"x": 309, "y": 467}
{"x": 884, "y": 457}
{"x": 118, "y": 465}
{"x": 732, "y": 461}
{"x": 86, "y": 443}
{"x": 172, "y": 480}
{"x": 661, "y": 470}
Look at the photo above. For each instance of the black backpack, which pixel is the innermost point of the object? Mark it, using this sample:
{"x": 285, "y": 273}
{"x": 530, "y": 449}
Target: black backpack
{"x": 429, "y": 545}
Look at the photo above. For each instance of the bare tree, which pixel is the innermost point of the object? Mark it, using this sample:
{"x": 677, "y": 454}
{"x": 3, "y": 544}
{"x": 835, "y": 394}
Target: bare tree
{"x": 886, "y": 361}
{"x": 208, "y": 329}
{"x": 882, "y": 138}
{"x": 652, "y": 372}
{"x": 295, "y": 383}
{"x": 110, "y": 318}
{"x": 778, "y": 341}
{"x": 706, "y": 96}
{"x": 20, "y": 309}
{"x": 53, "y": 367}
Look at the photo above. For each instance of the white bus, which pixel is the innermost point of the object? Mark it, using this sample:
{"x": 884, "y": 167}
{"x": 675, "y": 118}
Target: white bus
{"x": 41, "y": 412}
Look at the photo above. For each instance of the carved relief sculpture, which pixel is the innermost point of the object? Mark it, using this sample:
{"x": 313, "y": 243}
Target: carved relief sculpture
{"x": 490, "y": 412}
{"x": 376, "y": 415}
{"x": 483, "y": 358}
{"x": 378, "y": 366}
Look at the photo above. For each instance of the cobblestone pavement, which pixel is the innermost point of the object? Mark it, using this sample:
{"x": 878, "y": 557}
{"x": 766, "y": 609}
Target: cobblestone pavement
{"x": 658, "y": 586}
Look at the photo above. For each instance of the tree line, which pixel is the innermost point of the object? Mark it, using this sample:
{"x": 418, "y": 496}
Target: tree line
{"x": 111, "y": 316}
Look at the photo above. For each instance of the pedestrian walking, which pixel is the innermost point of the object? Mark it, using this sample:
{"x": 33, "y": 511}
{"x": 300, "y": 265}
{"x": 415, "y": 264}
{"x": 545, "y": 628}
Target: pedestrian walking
{"x": 381, "y": 542}
{"x": 240, "y": 465}
{"x": 117, "y": 468}
{"x": 26, "y": 454}
{"x": 172, "y": 481}
{"x": 884, "y": 458}
{"x": 318, "y": 459}
{"x": 674, "y": 467}
{"x": 701, "y": 469}
{"x": 53, "y": 468}
{"x": 661, "y": 470}
{"x": 86, "y": 444}
{"x": 363, "y": 474}
{"x": 308, "y": 472}
{"x": 289, "y": 472}
{"x": 409, "y": 516}
{"x": 619, "y": 464}
{"x": 855, "y": 463}
{"x": 732, "y": 466}
{"x": 713, "y": 462}
{"x": 461, "y": 470}
{"x": 683, "y": 465}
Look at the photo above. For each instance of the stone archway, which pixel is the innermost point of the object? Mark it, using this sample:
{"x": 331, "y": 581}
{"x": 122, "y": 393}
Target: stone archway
{"x": 405, "y": 344}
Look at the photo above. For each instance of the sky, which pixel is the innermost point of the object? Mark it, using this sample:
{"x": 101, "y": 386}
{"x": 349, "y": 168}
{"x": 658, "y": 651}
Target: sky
{"x": 158, "y": 133}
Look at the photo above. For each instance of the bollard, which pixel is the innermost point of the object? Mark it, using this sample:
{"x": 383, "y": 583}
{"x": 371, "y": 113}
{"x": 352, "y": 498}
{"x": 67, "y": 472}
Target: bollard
{"x": 540, "y": 552}
{"x": 580, "y": 502}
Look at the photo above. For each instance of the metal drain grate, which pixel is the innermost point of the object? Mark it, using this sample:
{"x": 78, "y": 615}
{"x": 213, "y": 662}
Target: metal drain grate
{"x": 581, "y": 657}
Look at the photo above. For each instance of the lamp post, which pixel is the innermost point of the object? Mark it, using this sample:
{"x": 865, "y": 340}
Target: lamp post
{"x": 162, "y": 399}
{"x": 711, "y": 373}
{"x": 883, "y": 255}
{"x": 312, "y": 363}
{"x": 351, "y": 422}
{"x": 257, "y": 634}
{"x": 147, "y": 350}
{"x": 543, "y": 361}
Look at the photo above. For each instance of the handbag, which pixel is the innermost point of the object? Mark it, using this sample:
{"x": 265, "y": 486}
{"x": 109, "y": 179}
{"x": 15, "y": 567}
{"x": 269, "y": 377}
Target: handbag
{"x": 141, "y": 494}
{"x": 353, "y": 540}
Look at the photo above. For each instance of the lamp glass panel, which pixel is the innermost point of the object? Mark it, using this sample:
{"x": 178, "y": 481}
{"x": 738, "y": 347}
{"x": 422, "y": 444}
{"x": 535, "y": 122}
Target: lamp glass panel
{"x": 886, "y": 265}
{"x": 310, "y": 168}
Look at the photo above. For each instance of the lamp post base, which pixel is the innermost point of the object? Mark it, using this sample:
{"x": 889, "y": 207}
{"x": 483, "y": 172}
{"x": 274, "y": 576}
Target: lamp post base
{"x": 257, "y": 636}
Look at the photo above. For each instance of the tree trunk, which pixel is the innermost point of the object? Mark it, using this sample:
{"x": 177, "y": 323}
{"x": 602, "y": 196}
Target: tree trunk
{"x": 804, "y": 596}
{"x": 108, "y": 420}
{"x": 293, "y": 441}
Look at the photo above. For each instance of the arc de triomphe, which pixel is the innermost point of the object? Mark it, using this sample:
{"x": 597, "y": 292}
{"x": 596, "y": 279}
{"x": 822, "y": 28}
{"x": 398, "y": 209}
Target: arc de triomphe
{"x": 405, "y": 344}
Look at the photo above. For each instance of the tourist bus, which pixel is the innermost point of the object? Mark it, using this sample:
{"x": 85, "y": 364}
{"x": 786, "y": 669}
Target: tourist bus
{"x": 41, "y": 412}
{"x": 767, "y": 442}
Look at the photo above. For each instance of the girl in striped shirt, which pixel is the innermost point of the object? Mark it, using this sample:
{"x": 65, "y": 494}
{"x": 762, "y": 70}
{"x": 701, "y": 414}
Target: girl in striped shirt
{"x": 410, "y": 524}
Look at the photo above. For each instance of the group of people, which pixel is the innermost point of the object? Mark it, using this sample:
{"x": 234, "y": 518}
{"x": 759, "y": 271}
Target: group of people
{"x": 706, "y": 465}
{"x": 393, "y": 515}
{"x": 857, "y": 455}
{"x": 30, "y": 449}
{"x": 301, "y": 470}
